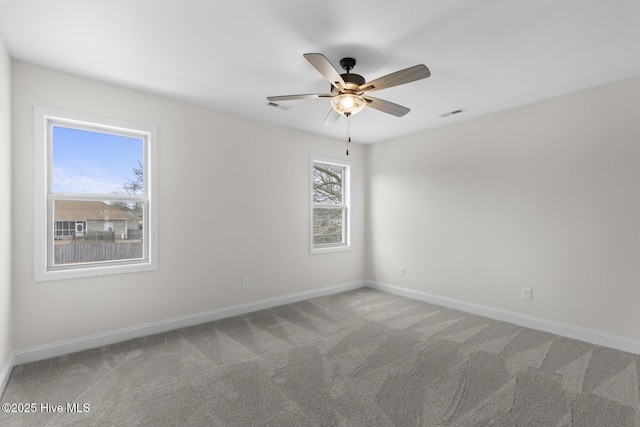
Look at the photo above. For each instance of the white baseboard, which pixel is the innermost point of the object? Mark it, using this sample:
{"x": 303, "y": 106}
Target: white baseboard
{"x": 5, "y": 374}
{"x": 569, "y": 331}
{"x": 71, "y": 346}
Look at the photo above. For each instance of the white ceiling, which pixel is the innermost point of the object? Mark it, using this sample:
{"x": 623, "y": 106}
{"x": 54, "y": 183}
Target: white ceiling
{"x": 484, "y": 56}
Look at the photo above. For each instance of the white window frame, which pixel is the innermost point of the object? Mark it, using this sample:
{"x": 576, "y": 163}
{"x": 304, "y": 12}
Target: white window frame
{"x": 345, "y": 245}
{"x": 44, "y": 270}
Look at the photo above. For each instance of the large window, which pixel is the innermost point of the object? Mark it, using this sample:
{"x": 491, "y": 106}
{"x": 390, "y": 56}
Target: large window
{"x": 95, "y": 207}
{"x": 329, "y": 205}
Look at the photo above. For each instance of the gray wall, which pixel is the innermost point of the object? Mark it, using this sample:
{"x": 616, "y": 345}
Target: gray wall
{"x": 5, "y": 212}
{"x": 542, "y": 196}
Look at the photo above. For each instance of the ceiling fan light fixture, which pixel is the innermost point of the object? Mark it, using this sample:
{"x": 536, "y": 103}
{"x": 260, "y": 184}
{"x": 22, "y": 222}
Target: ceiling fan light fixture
{"x": 348, "y": 104}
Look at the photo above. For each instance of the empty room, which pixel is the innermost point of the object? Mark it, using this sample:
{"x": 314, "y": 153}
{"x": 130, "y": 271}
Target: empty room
{"x": 280, "y": 213}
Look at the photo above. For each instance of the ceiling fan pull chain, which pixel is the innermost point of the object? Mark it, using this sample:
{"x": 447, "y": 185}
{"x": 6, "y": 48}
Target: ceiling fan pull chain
{"x": 348, "y": 131}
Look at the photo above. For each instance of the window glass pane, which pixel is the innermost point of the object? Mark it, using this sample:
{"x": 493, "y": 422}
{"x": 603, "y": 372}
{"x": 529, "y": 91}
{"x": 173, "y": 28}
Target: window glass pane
{"x": 327, "y": 184}
{"x": 94, "y": 231}
{"x": 327, "y": 226}
{"x": 87, "y": 161}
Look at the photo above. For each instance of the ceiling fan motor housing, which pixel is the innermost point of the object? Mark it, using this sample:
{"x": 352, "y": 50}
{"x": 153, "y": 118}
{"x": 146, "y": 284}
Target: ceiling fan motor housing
{"x": 352, "y": 81}
{"x": 355, "y": 79}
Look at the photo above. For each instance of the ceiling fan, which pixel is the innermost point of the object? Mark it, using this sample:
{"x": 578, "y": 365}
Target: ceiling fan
{"x": 349, "y": 91}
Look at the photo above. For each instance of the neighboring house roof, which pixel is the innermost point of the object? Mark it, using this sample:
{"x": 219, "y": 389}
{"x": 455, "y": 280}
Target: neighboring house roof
{"x": 82, "y": 210}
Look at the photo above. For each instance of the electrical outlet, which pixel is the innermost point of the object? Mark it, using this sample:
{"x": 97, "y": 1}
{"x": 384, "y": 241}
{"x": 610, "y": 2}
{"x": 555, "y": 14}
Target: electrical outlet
{"x": 527, "y": 294}
{"x": 402, "y": 272}
{"x": 245, "y": 283}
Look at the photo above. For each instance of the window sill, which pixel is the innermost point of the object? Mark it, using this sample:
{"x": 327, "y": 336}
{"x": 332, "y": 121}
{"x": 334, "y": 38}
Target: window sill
{"x": 329, "y": 249}
{"x": 92, "y": 271}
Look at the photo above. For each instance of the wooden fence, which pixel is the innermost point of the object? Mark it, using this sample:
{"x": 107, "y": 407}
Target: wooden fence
{"x": 98, "y": 251}
{"x": 95, "y": 236}
{"x": 136, "y": 233}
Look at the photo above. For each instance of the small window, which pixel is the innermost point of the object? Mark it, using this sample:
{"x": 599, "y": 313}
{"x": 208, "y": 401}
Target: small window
{"x": 329, "y": 205}
{"x": 95, "y": 207}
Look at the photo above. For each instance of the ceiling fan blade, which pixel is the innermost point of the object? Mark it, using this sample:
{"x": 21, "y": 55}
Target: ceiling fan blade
{"x": 401, "y": 77}
{"x": 292, "y": 97}
{"x": 386, "y": 106}
{"x": 322, "y": 64}
{"x": 332, "y": 117}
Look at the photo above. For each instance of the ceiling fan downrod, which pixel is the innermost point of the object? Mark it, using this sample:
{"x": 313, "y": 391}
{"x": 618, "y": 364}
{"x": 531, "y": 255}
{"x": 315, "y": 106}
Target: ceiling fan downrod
{"x": 347, "y": 64}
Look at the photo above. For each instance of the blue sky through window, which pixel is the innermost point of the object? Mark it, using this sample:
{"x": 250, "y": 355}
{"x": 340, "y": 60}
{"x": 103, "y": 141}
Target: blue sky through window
{"x": 93, "y": 162}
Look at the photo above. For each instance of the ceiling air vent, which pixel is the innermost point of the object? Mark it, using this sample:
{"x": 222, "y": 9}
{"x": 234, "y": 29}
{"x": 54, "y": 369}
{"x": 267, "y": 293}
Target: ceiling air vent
{"x": 451, "y": 113}
{"x": 282, "y": 107}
